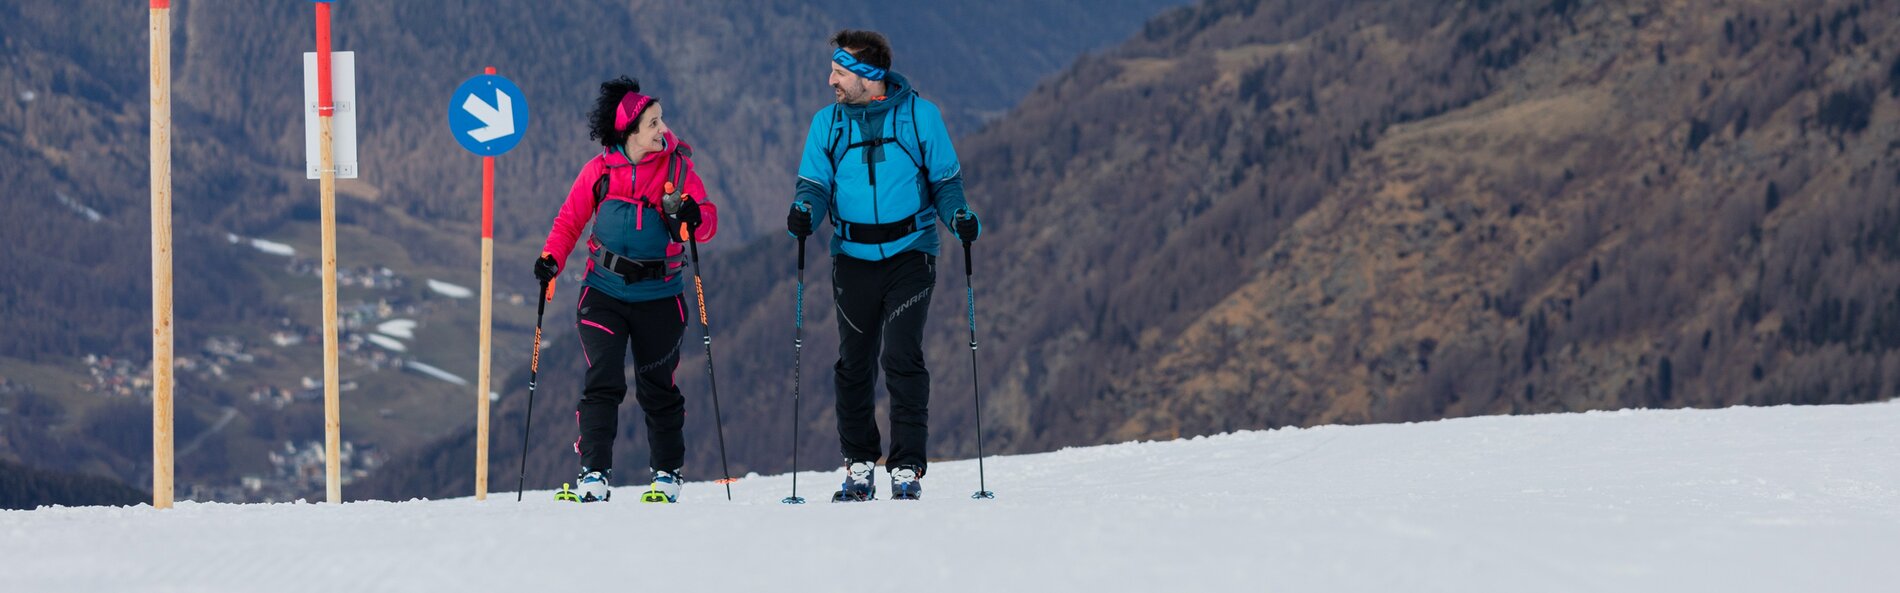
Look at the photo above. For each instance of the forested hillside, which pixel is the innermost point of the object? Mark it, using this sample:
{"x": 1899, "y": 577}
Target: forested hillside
{"x": 1248, "y": 214}
{"x": 1267, "y": 213}
{"x": 23, "y": 487}
{"x": 740, "y": 80}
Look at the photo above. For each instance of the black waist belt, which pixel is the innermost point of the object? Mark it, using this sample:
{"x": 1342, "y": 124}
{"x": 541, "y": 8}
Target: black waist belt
{"x": 883, "y": 233}
{"x": 635, "y": 270}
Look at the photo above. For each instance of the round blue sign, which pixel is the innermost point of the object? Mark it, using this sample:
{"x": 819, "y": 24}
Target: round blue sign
{"x": 488, "y": 115}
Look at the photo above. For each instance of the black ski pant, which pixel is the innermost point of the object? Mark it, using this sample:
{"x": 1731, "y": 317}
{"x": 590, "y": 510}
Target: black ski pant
{"x": 883, "y": 305}
{"x": 608, "y": 326}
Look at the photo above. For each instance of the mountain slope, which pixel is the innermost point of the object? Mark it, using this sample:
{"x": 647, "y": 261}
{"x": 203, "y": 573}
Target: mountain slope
{"x": 740, "y": 80}
{"x": 1261, "y": 214}
{"x": 1664, "y": 206}
{"x": 23, "y": 487}
{"x": 1366, "y": 212}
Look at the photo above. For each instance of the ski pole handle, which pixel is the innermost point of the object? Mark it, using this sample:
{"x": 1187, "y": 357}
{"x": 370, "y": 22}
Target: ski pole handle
{"x": 967, "y": 268}
{"x": 801, "y": 254}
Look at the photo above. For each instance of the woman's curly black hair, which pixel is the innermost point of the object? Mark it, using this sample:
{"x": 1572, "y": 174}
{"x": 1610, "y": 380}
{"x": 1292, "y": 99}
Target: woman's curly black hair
{"x": 601, "y": 120}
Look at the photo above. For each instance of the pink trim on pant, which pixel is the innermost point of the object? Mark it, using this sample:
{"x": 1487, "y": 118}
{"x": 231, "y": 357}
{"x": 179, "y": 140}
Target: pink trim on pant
{"x": 679, "y": 301}
{"x": 597, "y": 326}
{"x": 584, "y": 356}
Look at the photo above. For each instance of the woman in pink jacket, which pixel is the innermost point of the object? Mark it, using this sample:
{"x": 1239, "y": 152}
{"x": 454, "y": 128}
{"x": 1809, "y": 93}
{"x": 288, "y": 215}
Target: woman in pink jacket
{"x": 644, "y": 198}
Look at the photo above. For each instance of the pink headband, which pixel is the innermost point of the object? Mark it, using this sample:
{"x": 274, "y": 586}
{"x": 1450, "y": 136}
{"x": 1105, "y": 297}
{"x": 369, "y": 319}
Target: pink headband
{"x": 630, "y": 107}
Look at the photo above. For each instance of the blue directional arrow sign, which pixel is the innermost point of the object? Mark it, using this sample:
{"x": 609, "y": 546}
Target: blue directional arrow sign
{"x": 488, "y": 114}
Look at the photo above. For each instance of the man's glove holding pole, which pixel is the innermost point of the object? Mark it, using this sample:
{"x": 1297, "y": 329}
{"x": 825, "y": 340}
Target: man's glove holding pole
{"x": 798, "y": 222}
{"x": 967, "y": 226}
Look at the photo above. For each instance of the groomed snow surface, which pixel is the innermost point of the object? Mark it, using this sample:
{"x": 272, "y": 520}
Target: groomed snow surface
{"x": 1740, "y": 499}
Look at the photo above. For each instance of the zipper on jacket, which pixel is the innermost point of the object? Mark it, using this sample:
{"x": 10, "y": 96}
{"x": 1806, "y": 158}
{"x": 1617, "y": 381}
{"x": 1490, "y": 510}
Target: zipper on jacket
{"x": 877, "y": 214}
{"x": 633, "y": 185}
{"x": 869, "y": 164}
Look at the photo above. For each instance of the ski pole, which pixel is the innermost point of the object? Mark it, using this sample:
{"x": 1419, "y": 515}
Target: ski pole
{"x": 699, "y": 287}
{"x": 798, "y": 355}
{"x": 534, "y": 370}
{"x": 969, "y": 295}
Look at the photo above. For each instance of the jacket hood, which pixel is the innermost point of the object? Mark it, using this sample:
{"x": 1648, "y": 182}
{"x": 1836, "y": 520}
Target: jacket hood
{"x": 646, "y": 180}
{"x": 614, "y": 156}
{"x": 897, "y": 90}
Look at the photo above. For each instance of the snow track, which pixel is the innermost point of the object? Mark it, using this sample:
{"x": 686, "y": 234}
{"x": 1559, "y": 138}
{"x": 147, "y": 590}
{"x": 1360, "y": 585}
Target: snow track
{"x": 1741, "y": 499}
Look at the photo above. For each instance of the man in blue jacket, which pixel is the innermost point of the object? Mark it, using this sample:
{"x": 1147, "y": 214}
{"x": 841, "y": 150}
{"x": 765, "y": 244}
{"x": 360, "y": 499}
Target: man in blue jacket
{"x": 879, "y": 165}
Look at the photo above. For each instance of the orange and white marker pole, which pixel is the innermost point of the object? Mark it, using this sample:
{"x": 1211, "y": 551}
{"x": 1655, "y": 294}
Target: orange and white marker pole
{"x": 161, "y": 53}
{"x": 487, "y": 317}
{"x": 332, "y": 407}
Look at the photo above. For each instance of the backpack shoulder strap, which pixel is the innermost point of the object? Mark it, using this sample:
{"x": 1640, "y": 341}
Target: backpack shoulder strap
{"x": 601, "y": 183}
{"x": 600, "y": 189}
{"x": 922, "y": 159}
{"x": 917, "y": 159}
{"x": 832, "y": 154}
{"x": 676, "y": 168}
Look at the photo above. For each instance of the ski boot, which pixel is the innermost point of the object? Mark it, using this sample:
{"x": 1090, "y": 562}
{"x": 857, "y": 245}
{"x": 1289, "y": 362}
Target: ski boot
{"x": 906, "y": 483}
{"x": 665, "y": 488}
{"x": 857, "y": 483}
{"x": 593, "y": 486}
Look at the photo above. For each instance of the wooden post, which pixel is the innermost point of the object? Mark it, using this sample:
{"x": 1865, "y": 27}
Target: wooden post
{"x": 161, "y": 36}
{"x": 326, "y": 146}
{"x": 488, "y": 298}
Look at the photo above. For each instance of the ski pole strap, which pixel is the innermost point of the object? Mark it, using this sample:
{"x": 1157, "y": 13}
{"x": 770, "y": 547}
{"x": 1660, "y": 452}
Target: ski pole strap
{"x": 873, "y": 234}
{"x": 635, "y": 270}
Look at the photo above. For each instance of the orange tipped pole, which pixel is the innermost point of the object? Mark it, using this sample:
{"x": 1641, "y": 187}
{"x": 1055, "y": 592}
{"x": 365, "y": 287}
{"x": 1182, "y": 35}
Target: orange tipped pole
{"x": 534, "y": 372}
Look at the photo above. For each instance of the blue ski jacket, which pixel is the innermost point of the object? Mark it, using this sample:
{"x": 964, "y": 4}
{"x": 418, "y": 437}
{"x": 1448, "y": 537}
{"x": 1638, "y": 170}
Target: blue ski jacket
{"x": 886, "y": 163}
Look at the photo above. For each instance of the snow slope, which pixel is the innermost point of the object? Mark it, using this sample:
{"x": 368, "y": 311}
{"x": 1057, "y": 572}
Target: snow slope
{"x": 398, "y": 328}
{"x": 454, "y": 291}
{"x": 437, "y": 372}
{"x": 1741, "y": 499}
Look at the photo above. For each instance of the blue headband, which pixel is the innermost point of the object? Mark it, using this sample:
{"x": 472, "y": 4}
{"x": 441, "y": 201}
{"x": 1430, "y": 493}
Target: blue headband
{"x": 850, "y": 62}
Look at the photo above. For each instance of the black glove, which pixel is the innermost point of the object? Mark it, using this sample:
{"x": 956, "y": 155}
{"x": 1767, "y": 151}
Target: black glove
{"x": 679, "y": 215}
{"x": 967, "y": 226}
{"x": 689, "y": 213}
{"x": 798, "y": 223}
{"x": 545, "y": 269}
